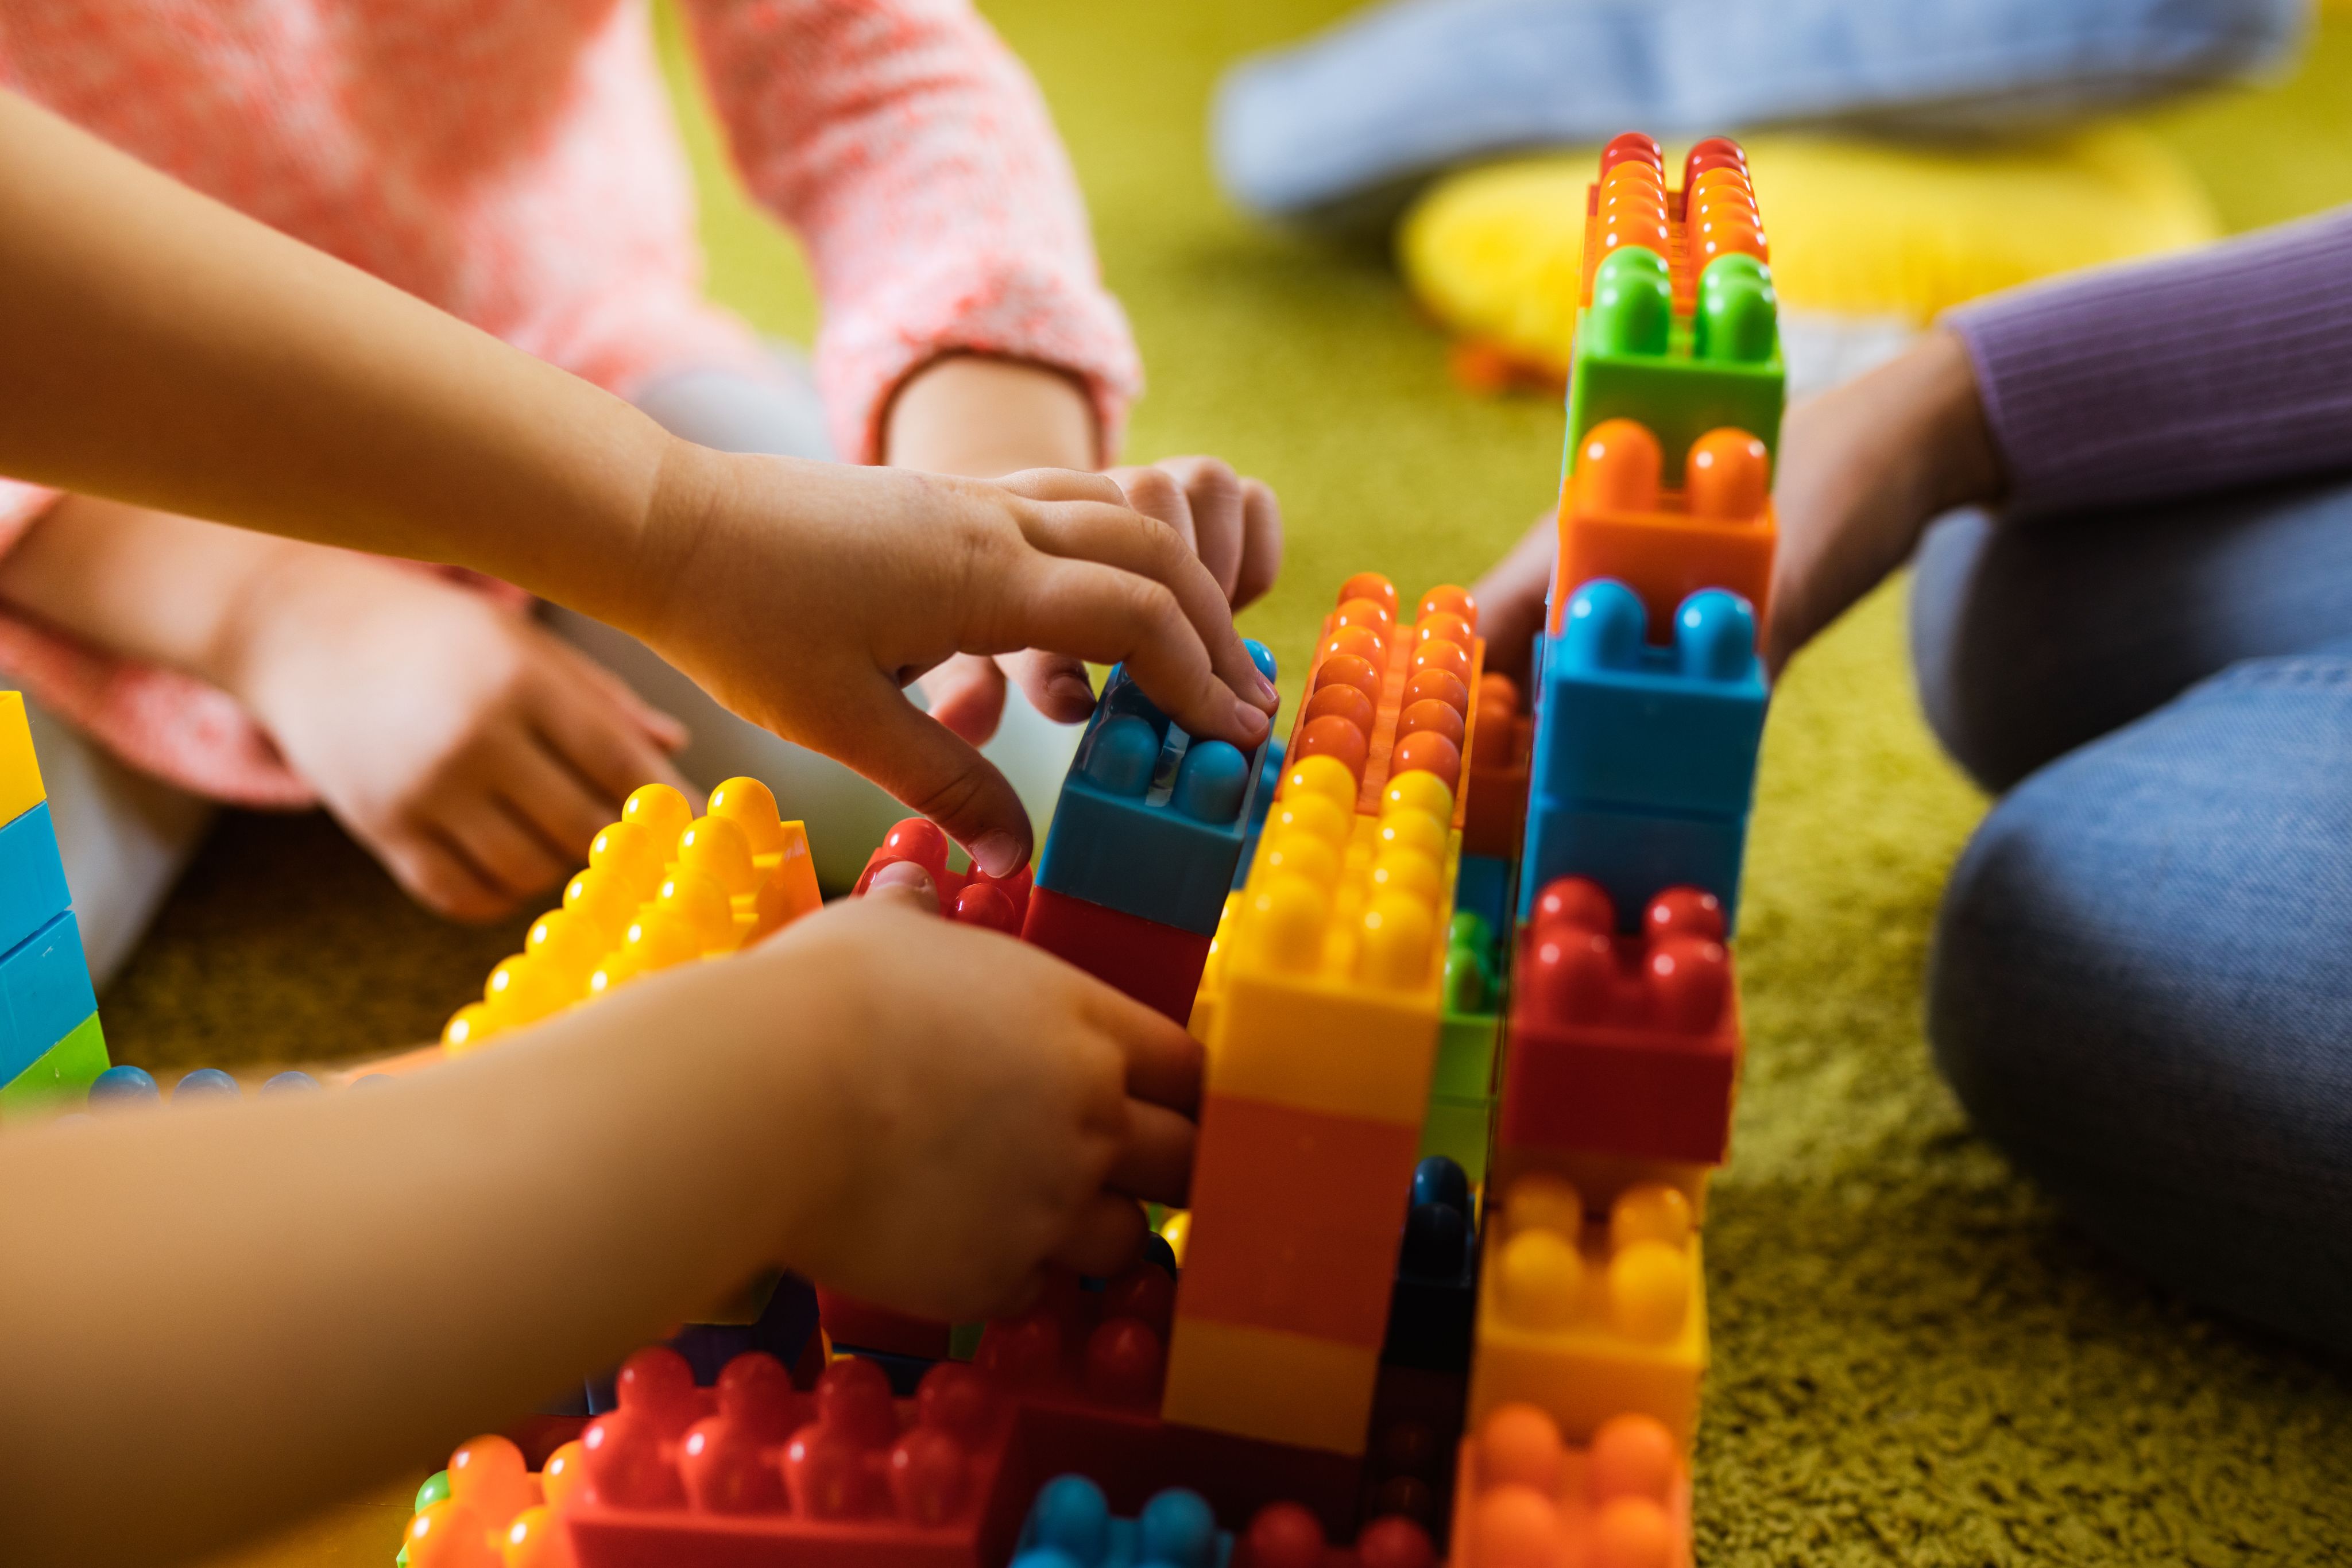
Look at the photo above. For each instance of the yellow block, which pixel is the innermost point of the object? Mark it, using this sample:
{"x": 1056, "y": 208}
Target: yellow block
{"x": 1592, "y": 1325}
{"x": 20, "y": 770}
{"x": 1308, "y": 1018}
{"x": 1263, "y": 1382}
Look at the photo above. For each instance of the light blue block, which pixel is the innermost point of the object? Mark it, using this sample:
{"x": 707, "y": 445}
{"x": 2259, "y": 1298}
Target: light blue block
{"x": 1634, "y": 856}
{"x": 46, "y": 985}
{"x": 1627, "y": 722}
{"x": 32, "y": 877}
{"x": 1151, "y": 822}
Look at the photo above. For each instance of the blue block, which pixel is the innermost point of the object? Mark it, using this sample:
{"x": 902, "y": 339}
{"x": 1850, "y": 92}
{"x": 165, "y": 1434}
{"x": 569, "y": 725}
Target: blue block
{"x": 1626, "y": 722}
{"x": 31, "y": 878}
{"x": 1435, "y": 1303}
{"x": 46, "y": 985}
{"x": 1070, "y": 1525}
{"x": 1634, "y": 856}
{"x": 1150, "y": 821}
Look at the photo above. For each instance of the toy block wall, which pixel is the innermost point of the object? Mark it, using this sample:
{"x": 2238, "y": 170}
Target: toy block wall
{"x": 50, "y": 1043}
{"x": 1622, "y": 1038}
{"x": 1146, "y": 838}
{"x": 1321, "y": 1017}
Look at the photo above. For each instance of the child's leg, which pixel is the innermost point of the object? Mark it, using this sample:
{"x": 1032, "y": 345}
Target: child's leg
{"x": 2141, "y": 986}
{"x": 735, "y": 412}
{"x": 124, "y": 838}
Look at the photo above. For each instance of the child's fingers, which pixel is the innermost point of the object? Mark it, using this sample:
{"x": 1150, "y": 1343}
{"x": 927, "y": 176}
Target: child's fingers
{"x": 1213, "y": 493}
{"x": 547, "y": 794}
{"x": 1064, "y": 485}
{"x": 937, "y": 772}
{"x": 1103, "y": 1236}
{"x": 1109, "y": 616}
{"x": 1155, "y": 1163}
{"x": 514, "y": 859}
{"x": 611, "y": 752}
{"x": 967, "y": 695}
{"x": 1511, "y": 597}
{"x": 439, "y": 878}
{"x": 1055, "y": 684}
{"x": 1261, "y": 543}
{"x": 1146, "y": 547}
{"x": 665, "y": 730}
{"x": 1157, "y": 494}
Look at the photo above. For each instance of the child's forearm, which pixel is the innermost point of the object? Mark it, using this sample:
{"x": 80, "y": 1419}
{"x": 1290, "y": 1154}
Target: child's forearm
{"x": 982, "y": 416}
{"x": 157, "y": 347}
{"x": 445, "y": 1252}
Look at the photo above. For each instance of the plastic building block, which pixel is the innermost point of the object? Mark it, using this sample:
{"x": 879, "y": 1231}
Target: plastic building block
{"x": 1588, "y": 1319}
{"x": 1436, "y": 1273}
{"x": 1150, "y": 821}
{"x": 1281, "y": 1387}
{"x": 969, "y": 897}
{"x": 1308, "y": 1211}
{"x": 59, "y": 1076}
{"x": 1102, "y": 1349}
{"x": 1494, "y": 774}
{"x": 1601, "y": 1178}
{"x": 1671, "y": 730}
{"x": 46, "y": 987}
{"x": 1482, "y": 887}
{"x": 1679, "y": 326}
{"x": 1618, "y": 520}
{"x": 1269, "y": 775}
{"x": 20, "y": 771}
{"x": 1212, "y": 988}
{"x": 1285, "y": 1535}
{"x": 1331, "y": 985}
{"x": 1071, "y": 1526}
{"x": 1623, "y": 1045}
{"x": 488, "y": 1509}
{"x": 31, "y": 878}
{"x": 1416, "y": 1434}
{"x": 1159, "y": 966}
{"x": 663, "y": 887}
{"x": 1633, "y": 855}
{"x": 852, "y": 1324}
{"x": 756, "y": 1472}
{"x": 1473, "y": 992}
{"x": 1524, "y": 1495}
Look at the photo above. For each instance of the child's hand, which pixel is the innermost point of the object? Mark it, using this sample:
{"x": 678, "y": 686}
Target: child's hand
{"x": 1233, "y": 524}
{"x": 806, "y": 595}
{"x": 997, "y": 1110}
{"x": 1863, "y": 468}
{"x": 472, "y": 752}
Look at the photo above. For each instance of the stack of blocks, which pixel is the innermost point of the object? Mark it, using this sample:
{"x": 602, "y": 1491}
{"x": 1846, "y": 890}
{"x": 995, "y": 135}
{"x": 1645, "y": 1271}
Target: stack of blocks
{"x": 51, "y": 1048}
{"x": 1146, "y": 837}
{"x": 1623, "y": 1045}
{"x": 1322, "y": 1025}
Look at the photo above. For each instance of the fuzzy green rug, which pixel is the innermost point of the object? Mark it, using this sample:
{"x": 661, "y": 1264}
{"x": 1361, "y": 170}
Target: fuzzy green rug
{"x": 1916, "y": 1360}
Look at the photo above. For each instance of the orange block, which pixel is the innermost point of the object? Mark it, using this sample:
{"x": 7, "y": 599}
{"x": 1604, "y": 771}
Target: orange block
{"x": 1297, "y": 1219}
{"x": 1263, "y": 1383}
{"x": 1719, "y": 531}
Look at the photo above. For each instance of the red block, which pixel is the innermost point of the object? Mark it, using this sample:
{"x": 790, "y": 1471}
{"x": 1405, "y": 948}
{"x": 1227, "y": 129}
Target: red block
{"x": 754, "y": 1473}
{"x": 1623, "y": 1045}
{"x": 1494, "y": 796}
{"x": 1157, "y": 964}
{"x": 972, "y": 897}
{"x": 1297, "y": 1218}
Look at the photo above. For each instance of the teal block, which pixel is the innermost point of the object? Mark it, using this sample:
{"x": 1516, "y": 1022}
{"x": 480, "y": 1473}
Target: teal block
{"x": 32, "y": 877}
{"x": 46, "y": 985}
{"x": 62, "y": 1073}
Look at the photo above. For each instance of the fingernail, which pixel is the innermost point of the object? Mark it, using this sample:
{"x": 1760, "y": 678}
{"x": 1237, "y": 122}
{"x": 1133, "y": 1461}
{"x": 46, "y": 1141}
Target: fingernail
{"x": 901, "y": 873}
{"x": 998, "y": 854}
{"x": 1069, "y": 691}
{"x": 1266, "y": 695}
{"x": 1252, "y": 719}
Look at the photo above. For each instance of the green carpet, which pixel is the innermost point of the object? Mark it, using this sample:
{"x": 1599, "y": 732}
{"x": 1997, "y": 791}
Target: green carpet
{"x": 1916, "y": 1360}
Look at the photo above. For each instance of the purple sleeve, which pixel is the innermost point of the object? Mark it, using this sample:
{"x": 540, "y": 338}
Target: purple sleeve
{"x": 2228, "y": 365}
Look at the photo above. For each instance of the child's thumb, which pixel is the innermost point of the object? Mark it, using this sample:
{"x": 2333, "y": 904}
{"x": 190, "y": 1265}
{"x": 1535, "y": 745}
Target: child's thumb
{"x": 908, "y": 883}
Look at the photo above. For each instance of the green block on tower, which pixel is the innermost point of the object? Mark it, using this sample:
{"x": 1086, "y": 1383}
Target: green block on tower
{"x": 1459, "y": 1127}
{"x": 1679, "y": 376}
{"x": 64, "y": 1071}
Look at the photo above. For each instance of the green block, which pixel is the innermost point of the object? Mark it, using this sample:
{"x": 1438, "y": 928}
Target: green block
{"x": 65, "y": 1070}
{"x": 1459, "y": 1128}
{"x": 1465, "y": 1055}
{"x": 1679, "y": 376}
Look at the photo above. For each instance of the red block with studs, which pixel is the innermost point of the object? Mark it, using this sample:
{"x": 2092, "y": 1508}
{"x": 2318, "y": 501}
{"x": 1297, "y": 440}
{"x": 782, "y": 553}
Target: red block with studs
{"x": 1623, "y": 1045}
{"x": 971, "y": 898}
{"x": 1159, "y": 966}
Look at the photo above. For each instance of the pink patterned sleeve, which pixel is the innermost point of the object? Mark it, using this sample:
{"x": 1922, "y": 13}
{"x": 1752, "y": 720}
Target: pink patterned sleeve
{"x": 915, "y": 157}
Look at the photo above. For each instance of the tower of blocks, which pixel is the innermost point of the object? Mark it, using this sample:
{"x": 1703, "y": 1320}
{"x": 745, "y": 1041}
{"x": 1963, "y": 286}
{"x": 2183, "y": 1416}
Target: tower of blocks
{"x": 1462, "y": 967}
{"x": 1623, "y": 1044}
{"x": 52, "y": 1049}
